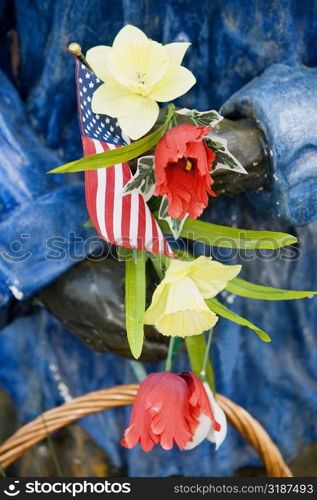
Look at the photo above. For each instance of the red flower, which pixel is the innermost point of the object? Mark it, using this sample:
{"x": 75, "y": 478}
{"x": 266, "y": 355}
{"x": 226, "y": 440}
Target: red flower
{"x": 170, "y": 408}
{"x": 182, "y": 168}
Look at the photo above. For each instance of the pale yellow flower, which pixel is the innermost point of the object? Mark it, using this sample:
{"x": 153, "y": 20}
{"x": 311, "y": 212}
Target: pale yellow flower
{"x": 137, "y": 72}
{"x": 178, "y": 307}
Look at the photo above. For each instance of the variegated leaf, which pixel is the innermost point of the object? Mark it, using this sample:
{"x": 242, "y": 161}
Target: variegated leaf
{"x": 175, "y": 225}
{"x": 144, "y": 178}
{"x": 209, "y": 118}
{"x": 224, "y": 159}
{"x": 202, "y": 118}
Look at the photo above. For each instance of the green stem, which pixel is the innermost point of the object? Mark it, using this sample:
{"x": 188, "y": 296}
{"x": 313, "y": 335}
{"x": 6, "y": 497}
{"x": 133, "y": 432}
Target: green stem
{"x": 138, "y": 370}
{"x": 194, "y": 121}
{"x": 158, "y": 267}
{"x": 172, "y": 123}
{"x": 205, "y": 362}
{"x": 169, "y": 359}
{"x": 160, "y": 264}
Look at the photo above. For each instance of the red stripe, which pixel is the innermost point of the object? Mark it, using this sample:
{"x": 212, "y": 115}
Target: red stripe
{"x": 155, "y": 242}
{"x": 88, "y": 146}
{"x": 91, "y": 184}
{"x": 142, "y": 223}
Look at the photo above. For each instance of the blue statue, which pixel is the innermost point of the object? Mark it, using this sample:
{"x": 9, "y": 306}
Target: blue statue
{"x": 252, "y": 60}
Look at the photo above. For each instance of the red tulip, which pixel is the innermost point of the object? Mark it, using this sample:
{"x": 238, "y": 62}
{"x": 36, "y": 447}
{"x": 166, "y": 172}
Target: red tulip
{"x": 171, "y": 408}
{"x": 182, "y": 168}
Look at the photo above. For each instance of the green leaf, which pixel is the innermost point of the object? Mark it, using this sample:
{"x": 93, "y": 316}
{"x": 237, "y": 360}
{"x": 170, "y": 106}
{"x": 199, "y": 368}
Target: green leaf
{"x": 144, "y": 178}
{"x": 135, "y": 301}
{"x": 253, "y": 291}
{"x": 228, "y": 237}
{"x": 117, "y": 155}
{"x": 218, "y": 308}
{"x": 196, "y": 347}
{"x": 183, "y": 255}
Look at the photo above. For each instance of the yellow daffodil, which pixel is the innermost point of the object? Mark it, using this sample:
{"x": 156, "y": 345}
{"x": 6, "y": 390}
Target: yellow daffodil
{"x": 178, "y": 307}
{"x": 137, "y": 73}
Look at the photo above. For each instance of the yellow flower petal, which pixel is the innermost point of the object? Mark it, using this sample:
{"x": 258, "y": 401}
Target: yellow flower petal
{"x": 177, "y": 81}
{"x": 158, "y": 305}
{"x": 128, "y": 33}
{"x": 184, "y": 295}
{"x": 139, "y": 65}
{"x": 140, "y": 121}
{"x": 186, "y": 323}
{"x": 178, "y": 269}
{"x": 178, "y": 309}
{"x": 211, "y": 277}
{"x": 114, "y": 100}
{"x": 176, "y": 51}
{"x": 97, "y": 59}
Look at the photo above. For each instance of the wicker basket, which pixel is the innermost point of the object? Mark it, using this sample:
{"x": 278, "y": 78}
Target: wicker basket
{"x": 123, "y": 395}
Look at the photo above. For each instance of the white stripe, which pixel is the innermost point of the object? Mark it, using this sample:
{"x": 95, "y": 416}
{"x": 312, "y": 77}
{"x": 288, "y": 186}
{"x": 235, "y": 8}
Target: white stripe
{"x": 101, "y": 193}
{"x": 134, "y": 218}
{"x": 117, "y": 209}
{"x": 125, "y": 137}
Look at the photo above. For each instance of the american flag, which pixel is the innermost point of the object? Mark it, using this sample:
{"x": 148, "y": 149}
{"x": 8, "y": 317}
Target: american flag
{"x": 124, "y": 220}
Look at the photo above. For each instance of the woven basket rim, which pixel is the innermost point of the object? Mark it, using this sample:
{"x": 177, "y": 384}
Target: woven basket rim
{"x": 122, "y": 395}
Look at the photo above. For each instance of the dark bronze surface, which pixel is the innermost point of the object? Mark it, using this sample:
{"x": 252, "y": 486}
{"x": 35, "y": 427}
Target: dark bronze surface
{"x": 89, "y": 300}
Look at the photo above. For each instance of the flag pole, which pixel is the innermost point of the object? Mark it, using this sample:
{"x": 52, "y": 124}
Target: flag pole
{"x": 75, "y": 50}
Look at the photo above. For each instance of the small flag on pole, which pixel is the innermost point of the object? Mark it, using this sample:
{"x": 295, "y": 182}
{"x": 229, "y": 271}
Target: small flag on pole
{"x": 120, "y": 219}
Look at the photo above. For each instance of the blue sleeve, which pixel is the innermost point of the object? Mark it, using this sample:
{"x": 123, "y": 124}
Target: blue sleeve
{"x": 41, "y": 216}
{"x": 283, "y": 100}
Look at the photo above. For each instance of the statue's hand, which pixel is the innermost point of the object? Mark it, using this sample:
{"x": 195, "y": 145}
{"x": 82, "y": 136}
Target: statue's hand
{"x": 89, "y": 300}
{"x": 247, "y": 143}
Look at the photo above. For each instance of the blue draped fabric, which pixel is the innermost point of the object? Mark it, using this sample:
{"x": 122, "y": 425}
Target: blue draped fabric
{"x": 258, "y": 57}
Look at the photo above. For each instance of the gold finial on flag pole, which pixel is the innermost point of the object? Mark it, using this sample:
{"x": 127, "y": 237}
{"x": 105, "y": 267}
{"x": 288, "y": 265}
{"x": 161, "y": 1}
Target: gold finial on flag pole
{"x": 75, "y": 49}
